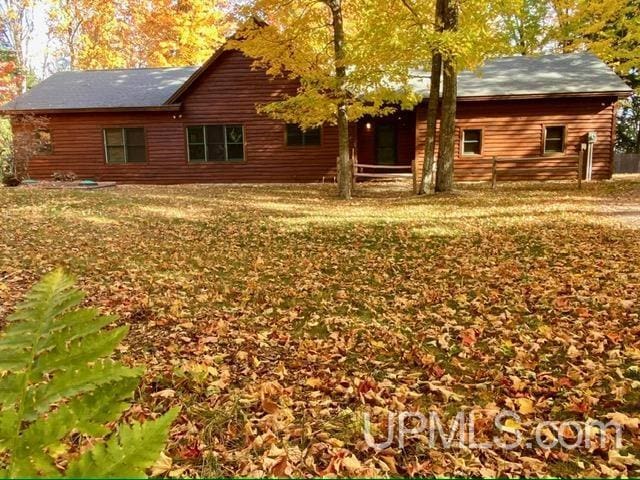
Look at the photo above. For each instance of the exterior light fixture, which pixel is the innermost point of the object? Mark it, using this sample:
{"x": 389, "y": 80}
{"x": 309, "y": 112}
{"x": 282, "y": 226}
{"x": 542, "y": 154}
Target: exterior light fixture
{"x": 367, "y": 125}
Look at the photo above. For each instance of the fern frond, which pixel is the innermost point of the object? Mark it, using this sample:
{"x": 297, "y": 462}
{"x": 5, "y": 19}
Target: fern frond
{"x": 56, "y": 378}
{"x": 71, "y": 382}
{"x": 82, "y": 350}
{"x": 8, "y": 424}
{"x": 50, "y": 297}
{"x": 128, "y": 453}
{"x": 76, "y": 324}
{"x": 79, "y": 415}
{"x": 11, "y": 387}
{"x": 32, "y": 320}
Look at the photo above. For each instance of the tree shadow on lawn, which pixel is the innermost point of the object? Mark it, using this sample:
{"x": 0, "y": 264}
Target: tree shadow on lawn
{"x": 472, "y": 208}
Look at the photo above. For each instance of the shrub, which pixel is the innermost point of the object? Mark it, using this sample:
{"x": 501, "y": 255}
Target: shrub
{"x": 60, "y": 389}
{"x": 6, "y": 140}
{"x": 10, "y": 180}
{"x": 64, "y": 176}
{"x": 18, "y": 145}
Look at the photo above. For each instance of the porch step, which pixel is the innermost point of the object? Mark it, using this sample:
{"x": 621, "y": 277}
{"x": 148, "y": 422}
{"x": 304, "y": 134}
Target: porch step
{"x": 382, "y": 167}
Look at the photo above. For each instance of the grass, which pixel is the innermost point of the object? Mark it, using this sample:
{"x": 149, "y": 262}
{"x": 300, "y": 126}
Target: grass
{"x": 278, "y": 315}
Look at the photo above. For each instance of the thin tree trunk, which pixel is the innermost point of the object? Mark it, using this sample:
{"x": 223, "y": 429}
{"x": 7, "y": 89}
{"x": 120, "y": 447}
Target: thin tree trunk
{"x": 345, "y": 170}
{"x": 15, "y": 32}
{"x": 426, "y": 182}
{"x": 444, "y": 175}
{"x": 21, "y": 66}
{"x": 72, "y": 55}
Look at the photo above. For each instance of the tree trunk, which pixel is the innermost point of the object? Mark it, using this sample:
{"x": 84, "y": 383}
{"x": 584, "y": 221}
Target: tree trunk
{"x": 15, "y": 31}
{"x": 345, "y": 170}
{"x": 444, "y": 175}
{"x": 20, "y": 60}
{"x": 426, "y": 182}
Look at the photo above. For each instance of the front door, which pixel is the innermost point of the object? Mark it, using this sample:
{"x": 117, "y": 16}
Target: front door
{"x": 386, "y": 151}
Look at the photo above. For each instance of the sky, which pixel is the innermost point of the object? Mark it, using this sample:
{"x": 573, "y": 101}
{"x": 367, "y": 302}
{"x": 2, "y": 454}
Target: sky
{"x": 38, "y": 42}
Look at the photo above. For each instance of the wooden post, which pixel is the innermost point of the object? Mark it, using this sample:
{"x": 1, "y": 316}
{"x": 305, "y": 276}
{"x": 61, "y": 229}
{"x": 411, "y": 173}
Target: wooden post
{"x": 494, "y": 173}
{"x": 580, "y": 163}
{"x": 415, "y": 176}
{"x": 354, "y": 165}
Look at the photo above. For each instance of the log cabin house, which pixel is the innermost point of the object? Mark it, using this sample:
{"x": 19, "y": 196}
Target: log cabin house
{"x": 200, "y": 125}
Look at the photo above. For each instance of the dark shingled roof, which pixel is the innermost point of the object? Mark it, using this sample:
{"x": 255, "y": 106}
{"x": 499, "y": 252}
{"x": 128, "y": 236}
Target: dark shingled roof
{"x": 533, "y": 75}
{"x": 153, "y": 87}
{"x": 125, "y": 88}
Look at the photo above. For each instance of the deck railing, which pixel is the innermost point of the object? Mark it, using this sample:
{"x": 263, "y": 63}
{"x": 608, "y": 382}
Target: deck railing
{"x": 397, "y": 171}
{"x": 402, "y": 171}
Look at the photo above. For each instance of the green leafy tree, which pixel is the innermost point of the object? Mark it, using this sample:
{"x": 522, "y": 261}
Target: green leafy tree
{"x": 628, "y": 127}
{"x": 60, "y": 384}
{"x": 446, "y": 37}
{"x": 526, "y": 25}
{"x": 345, "y": 63}
{"x": 610, "y": 30}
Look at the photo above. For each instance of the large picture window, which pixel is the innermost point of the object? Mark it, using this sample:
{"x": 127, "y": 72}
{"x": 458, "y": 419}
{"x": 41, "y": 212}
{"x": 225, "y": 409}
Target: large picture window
{"x": 125, "y": 145}
{"x": 471, "y": 142}
{"x": 297, "y": 137}
{"x": 554, "y": 137}
{"x": 215, "y": 143}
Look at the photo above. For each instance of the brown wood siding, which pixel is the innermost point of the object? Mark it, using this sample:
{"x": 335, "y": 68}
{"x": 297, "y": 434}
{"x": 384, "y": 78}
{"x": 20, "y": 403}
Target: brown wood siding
{"x": 514, "y": 129}
{"x": 227, "y": 94}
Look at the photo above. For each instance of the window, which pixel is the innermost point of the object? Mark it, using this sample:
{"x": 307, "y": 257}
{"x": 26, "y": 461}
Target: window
{"x": 125, "y": 145}
{"x": 215, "y": 143}
{"x": 297, "y": 137}
{"x": 43, "y": 142}
{"x": 554, "y": 139}
{"x": 471, "y": 142}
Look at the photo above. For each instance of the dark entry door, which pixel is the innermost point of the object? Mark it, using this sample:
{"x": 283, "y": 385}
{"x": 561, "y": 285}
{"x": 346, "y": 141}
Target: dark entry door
{"x": 386, "y": 151}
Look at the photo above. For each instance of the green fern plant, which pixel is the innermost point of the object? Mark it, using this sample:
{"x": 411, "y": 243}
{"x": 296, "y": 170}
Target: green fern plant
{"x": 57, "y": 381}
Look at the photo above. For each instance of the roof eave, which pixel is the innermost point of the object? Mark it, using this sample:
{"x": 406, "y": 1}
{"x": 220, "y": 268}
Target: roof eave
{"x": 533, "y": 96}
{"x": 173, "y": 107}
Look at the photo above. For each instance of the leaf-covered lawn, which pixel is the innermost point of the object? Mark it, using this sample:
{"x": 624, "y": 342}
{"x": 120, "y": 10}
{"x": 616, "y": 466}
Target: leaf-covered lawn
{"x": 277, "y": 316}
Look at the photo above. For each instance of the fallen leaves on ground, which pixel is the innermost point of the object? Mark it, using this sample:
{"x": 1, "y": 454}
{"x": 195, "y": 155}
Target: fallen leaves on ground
{"x": 278, "y": 316}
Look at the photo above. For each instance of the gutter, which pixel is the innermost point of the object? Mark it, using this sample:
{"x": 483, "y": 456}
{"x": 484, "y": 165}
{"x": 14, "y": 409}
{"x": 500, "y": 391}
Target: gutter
{"x": 620, "y": 94}
{"x": 174, "y": 107}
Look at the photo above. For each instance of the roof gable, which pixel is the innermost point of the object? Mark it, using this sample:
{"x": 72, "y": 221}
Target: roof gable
{"x": 179, "y": 93}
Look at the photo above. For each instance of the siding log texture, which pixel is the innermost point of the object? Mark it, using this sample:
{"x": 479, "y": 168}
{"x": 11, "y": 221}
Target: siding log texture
{"x": 226, "y": 94}
{"x": 515, "y": 129}
{"x": 229, "y": 92}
